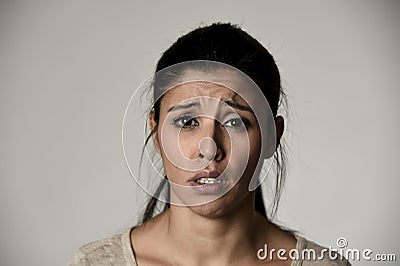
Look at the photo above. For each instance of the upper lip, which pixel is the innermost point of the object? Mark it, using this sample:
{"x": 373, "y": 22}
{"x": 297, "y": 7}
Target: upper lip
{"x": 205, "y": 174}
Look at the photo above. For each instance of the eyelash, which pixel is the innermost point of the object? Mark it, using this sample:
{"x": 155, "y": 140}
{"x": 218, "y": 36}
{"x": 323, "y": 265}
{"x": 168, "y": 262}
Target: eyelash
{"x": 186, "y": 122}
{"x": 178, "y": 122}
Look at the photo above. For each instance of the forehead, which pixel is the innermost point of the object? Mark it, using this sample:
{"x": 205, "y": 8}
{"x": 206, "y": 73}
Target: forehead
{"x": 222, "y": 84}
{"x": 195, "y": 89}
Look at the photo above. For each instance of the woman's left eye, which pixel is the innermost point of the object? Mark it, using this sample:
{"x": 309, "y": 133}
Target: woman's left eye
{"x": 234, "y": 123}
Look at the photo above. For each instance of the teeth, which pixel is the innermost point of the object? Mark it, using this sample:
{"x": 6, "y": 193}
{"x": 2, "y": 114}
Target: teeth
{"x": 208, "y": 180}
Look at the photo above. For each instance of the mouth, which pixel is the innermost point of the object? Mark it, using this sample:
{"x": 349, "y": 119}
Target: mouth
{"x": 205, "y": 178}
{"x": 208, "y": 180}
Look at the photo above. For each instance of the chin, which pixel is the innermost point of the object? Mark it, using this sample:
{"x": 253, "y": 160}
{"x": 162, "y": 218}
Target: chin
{"x": 212, "y": 210}
{"x": 221, "y": 206}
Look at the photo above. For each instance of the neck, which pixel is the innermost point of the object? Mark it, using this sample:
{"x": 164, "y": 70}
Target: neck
{"x": 227, "y": 237}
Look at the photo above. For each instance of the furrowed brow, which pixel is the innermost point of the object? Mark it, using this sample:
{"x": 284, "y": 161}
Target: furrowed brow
{"x": 184, "y": 106}
{"x": 238, "y": 106}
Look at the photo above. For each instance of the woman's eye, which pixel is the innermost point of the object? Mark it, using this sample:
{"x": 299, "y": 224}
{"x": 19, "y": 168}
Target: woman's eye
{"x": 185, "y": 122}
{"x": 234, "y": 123}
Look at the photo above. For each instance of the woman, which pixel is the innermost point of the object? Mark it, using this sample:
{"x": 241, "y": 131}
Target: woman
{"x": 212, "y": 130}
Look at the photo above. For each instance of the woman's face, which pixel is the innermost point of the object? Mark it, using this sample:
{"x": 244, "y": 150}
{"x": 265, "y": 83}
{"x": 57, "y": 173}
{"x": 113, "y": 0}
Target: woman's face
{"x": 209, "y": 140}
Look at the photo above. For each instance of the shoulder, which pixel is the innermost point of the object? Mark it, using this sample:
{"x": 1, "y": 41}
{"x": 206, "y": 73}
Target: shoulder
{"x": 310, "y": 253}
{"x": 114, "y": 250}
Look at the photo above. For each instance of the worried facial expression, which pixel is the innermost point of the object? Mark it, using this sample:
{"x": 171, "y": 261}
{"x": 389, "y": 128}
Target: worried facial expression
{"x": 209, "y": 140}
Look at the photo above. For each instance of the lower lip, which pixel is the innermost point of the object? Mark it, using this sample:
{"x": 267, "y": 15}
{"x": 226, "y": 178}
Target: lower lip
{"x": 213, "y": 188}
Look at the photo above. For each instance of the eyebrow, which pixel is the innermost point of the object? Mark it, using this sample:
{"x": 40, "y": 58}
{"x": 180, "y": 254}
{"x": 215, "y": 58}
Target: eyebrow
{"x": 184, "y": 106}
{"x": 197, "y": 105}
{"x": 238, "y": 106}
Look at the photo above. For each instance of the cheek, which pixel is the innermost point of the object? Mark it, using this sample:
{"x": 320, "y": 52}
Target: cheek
{"x": 174, "y": 173}
{"x": 189, "y": 144}
{"x": 175, "y": 149}
{"x": 255, "y": 145}
{"x": 254, "y": 152}
{"x": 180, "y": 149}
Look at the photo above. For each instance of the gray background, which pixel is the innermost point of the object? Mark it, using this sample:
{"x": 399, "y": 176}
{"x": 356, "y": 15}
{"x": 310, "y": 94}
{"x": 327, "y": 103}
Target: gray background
{"x": 68, "y": 69}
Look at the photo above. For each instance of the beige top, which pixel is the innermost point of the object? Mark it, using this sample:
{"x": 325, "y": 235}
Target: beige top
{"x": 117, "y": 251}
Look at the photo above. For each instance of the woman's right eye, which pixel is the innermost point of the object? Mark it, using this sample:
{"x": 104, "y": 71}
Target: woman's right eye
{"x": 185, "y": 122}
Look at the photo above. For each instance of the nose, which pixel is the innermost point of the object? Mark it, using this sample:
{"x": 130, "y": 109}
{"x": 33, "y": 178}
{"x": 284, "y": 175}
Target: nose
{"x": 211, "y": 145}
{"x": 208, "y": 148}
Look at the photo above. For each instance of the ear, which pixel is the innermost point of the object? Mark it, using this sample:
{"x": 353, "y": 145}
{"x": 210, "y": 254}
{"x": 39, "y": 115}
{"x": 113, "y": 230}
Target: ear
{"x": 272, "y": 144}
{"x": 153, "y": 129}
{"x": 280, "y": 127}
